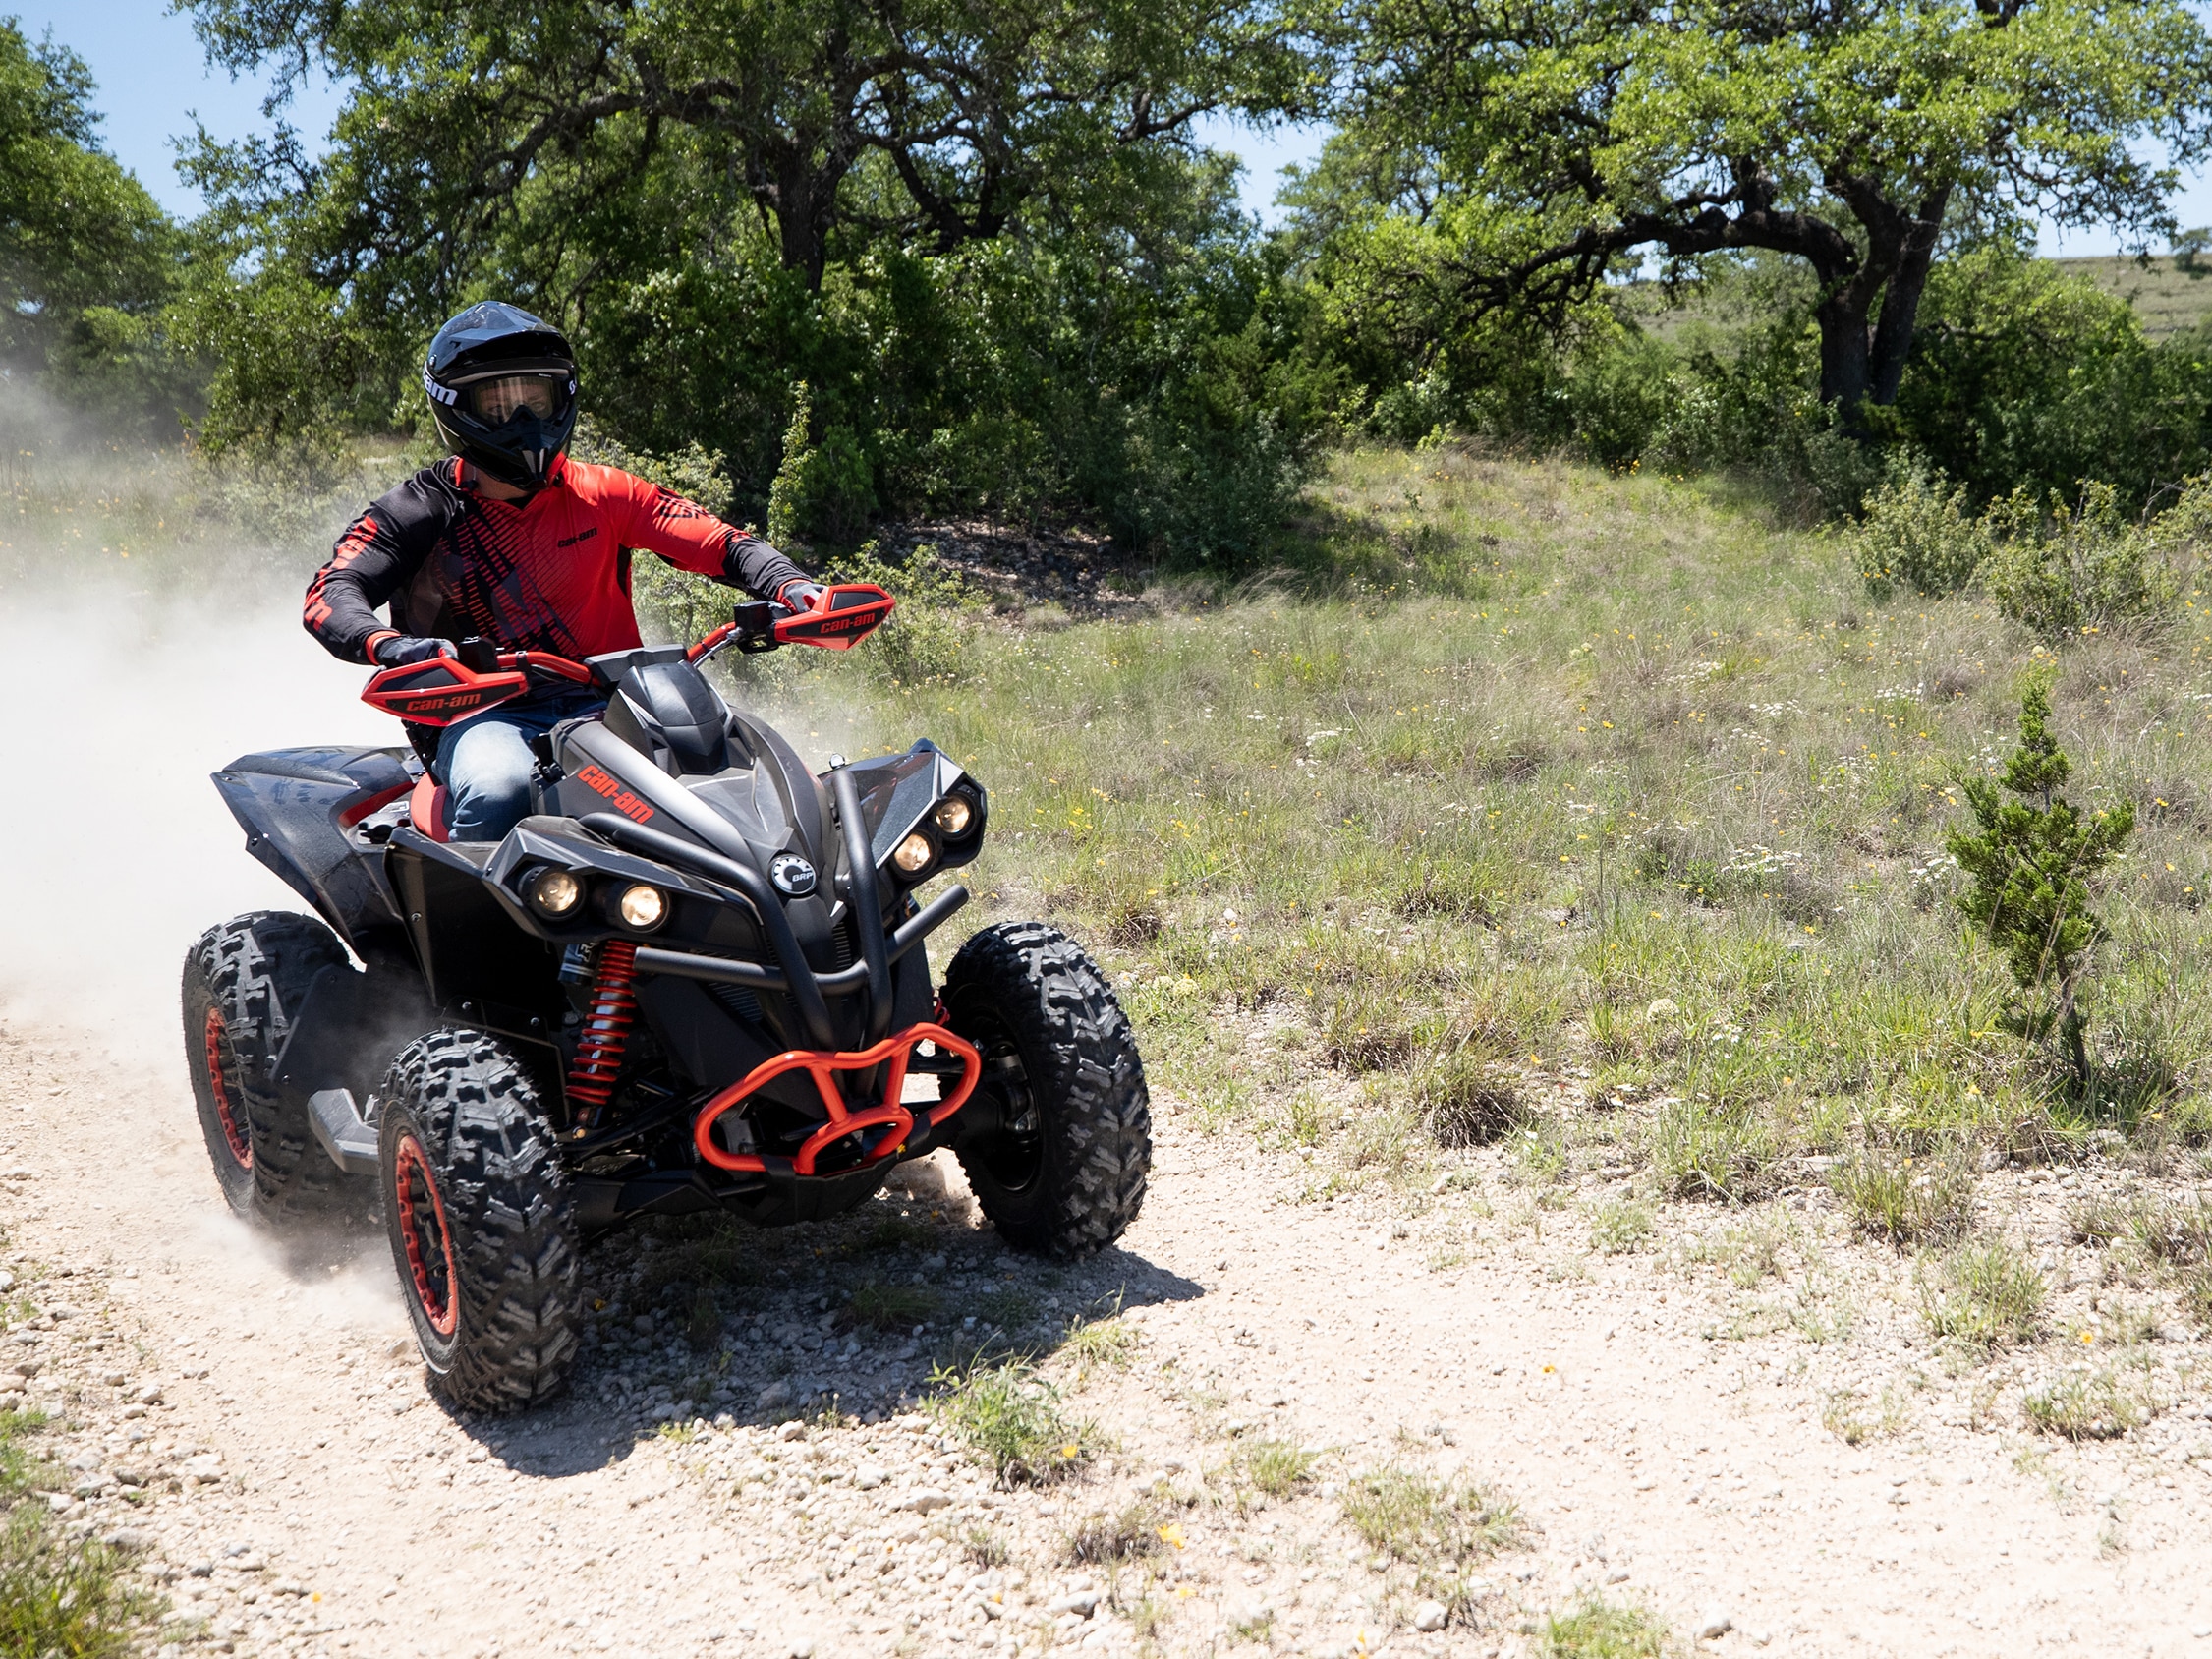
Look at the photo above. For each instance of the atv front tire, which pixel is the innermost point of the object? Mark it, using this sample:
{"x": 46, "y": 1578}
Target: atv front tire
{"x": 244, "y": 984}
{"x": 1062, "y": 1141}
{"x": 482, "y": 1226}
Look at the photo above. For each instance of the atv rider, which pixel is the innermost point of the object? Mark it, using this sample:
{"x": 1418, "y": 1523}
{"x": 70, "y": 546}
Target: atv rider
{"x": 511, "y": 542}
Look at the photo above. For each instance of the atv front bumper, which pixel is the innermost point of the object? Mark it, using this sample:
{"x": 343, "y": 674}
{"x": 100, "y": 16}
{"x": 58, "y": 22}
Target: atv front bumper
{"x": 882, "y": 1129}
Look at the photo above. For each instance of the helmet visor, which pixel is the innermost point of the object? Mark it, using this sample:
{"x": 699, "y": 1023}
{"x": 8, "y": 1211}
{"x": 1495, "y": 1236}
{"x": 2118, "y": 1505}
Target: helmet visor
{"x": 498, "y": 400}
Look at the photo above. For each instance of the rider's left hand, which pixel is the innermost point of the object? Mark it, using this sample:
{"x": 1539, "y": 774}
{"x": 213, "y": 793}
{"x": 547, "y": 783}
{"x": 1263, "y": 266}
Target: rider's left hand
{"x": 799, "y": 593}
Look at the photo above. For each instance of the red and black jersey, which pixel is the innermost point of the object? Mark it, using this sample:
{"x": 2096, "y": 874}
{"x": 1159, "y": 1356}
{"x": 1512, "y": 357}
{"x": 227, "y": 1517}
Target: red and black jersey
{"x": 551, "y": 573}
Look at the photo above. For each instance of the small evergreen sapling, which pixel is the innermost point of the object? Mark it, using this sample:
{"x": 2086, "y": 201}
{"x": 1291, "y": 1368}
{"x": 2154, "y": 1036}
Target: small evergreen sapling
{"x": 2031, "y": 864}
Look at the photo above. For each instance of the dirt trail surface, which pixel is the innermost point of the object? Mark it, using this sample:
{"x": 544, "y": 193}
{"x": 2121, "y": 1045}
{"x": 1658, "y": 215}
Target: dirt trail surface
{"x": 312, "y": 1498}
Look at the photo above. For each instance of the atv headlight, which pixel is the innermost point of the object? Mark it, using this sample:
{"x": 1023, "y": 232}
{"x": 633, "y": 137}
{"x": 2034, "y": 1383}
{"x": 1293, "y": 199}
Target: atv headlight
{"x": 554, "y": 893}
{"x": 954, "y": 814}
{"x": 642, "y": 906}
{"x": 913, "y": 854}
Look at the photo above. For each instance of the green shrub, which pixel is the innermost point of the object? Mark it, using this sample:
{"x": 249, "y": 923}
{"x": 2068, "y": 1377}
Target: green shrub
{"x": 1918, "y": 533}
{"x": 931, "y": 634}
{"x": 822, "y": 485}
{"x": 2031, "y": 864}
{"x": 2073, "y": 569}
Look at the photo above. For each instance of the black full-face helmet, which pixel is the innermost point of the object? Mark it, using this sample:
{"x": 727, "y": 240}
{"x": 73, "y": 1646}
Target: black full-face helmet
{"x": 502, "y": 387}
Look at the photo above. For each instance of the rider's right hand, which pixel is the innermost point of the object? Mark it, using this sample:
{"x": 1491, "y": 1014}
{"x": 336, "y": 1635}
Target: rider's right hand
{"x": 397, "y": 649}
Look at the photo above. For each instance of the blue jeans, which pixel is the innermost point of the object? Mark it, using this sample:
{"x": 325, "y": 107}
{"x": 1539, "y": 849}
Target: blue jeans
{"x": 485, "y": 762}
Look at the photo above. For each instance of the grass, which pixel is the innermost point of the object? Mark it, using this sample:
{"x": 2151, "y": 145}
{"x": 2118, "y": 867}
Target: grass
{"x": 1011, "y": 1419}
{"x": 1904, "y": 1199}
{"x": 1277, "y": 1468}
{"x": 1852, "y": 1418}
{"x": 1439, "y": 1528}
{"x": 1986, "y": 1294}
{"x": 2170, "y": 1238}
{"x": 1594, "y": 1628}
{"x": 2087, "y": 1403}
{"x": 1620, "y": 1226}
{"x": 893, "y": 1307}
{"x": 1504, "y": 691}
{"x": 1130, "y": 1533}
{"x": 60, "y": 1595}
{"x": 1516, "y": 771}
{"x": 1095, "y": 1345}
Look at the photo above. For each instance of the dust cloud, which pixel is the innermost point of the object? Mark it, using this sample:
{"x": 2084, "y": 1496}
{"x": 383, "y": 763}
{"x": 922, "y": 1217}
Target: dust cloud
{"x": 119, "y": 851}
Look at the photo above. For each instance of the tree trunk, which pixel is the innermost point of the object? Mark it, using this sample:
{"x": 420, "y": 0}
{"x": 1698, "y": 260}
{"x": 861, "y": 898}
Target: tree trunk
{"x": 1900, "y": 302}
{"x": 1844, "y": 347}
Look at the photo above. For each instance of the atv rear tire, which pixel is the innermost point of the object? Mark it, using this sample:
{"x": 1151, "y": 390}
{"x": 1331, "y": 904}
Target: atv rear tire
{"x": 482, "y": 1226}
{"x": 244, "y": 982}
{"x": 1063, "y": 1141}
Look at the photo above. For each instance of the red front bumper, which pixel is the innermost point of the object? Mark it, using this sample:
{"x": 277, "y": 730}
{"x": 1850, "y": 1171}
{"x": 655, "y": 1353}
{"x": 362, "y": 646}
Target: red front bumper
{"x": 889, "y": 1114}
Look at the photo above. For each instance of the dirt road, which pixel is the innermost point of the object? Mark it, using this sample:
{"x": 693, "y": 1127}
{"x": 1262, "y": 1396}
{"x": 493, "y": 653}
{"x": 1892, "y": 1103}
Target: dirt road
{"x": 342, "y": 1510}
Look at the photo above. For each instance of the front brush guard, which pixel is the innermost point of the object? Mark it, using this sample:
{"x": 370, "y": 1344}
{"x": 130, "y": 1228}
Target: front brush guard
{"x": 822, "y": 1064}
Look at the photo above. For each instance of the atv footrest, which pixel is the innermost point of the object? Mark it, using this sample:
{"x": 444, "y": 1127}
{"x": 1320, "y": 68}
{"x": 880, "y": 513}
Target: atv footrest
{"x": 338, "y": 1125}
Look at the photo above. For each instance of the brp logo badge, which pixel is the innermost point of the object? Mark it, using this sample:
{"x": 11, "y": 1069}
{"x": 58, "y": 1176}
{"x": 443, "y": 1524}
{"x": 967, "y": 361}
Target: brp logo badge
{"x": 792, "y": 875}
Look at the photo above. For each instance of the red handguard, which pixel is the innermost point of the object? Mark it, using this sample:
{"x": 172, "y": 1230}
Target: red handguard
{"x": 444, "y": 689}
{"x": 839, "y": 618}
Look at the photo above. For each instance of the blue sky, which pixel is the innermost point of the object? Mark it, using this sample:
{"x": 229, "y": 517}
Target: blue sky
{"x": 154, "y": 79}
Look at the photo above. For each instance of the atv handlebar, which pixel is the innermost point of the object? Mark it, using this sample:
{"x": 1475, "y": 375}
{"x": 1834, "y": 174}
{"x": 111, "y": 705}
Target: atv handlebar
{"x": 479, "y": 676}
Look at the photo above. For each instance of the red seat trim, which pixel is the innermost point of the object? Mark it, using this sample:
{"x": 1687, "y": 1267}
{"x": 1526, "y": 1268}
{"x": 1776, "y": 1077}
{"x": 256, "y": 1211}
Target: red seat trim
{"x": 426, "y": 808}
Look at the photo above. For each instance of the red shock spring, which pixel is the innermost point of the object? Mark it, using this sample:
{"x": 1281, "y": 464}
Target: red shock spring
{"x": 606, "y": 1030}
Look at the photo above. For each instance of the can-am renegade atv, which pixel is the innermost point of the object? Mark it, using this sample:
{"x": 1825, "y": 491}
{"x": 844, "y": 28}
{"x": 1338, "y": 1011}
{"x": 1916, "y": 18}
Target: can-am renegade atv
{"x": 694, "y": 978}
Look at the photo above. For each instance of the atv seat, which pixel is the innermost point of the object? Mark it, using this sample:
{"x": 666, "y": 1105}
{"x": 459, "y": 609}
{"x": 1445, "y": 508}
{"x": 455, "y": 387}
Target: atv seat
{"x": 426, "y": 808}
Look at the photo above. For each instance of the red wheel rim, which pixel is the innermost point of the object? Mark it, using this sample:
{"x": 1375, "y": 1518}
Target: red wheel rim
{"x": 241, "y": 1144}
{"x": 428, "y": 1241}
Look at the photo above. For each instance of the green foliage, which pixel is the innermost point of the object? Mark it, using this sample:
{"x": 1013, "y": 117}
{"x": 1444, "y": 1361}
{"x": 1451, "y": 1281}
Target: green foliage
{"x": 2026, "y": 376}
{"x": 1986, "y": 1294}
{"x": 931, "y": 633}
{"x": 893, "y": 1307}
{"x": 60, "y": 1595}
{"x": 2031, "y": 863}
{"x": 86, "y": 256}
{"x": 1917, "y": 534}
{"x": 1620, "y": 1226}
{"x": 1535, "y": 149}
{"x": 2074, "y": 569}
{"x": 986, "y": 250}
{"x": 821, "y": 485}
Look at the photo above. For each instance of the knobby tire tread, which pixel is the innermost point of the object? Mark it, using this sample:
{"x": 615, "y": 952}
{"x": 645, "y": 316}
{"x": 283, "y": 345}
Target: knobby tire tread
{"x": 1094, "y": 1111}
{"x": 256, "y": 970}
{"x": 507, "y": 1202}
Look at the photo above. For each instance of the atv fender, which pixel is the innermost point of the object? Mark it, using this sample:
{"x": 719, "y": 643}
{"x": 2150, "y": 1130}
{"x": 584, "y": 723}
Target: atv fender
{"x": 296, "y": 807}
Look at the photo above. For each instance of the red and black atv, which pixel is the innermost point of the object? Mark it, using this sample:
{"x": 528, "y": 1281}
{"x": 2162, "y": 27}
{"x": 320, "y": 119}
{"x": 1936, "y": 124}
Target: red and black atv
{"x": 693, "y": 979}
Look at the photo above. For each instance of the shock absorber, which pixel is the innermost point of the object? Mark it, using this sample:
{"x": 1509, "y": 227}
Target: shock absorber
{"x": 606, "y": 1030}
